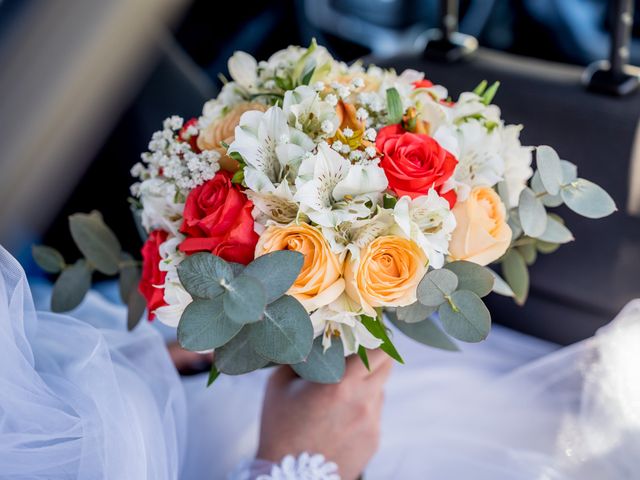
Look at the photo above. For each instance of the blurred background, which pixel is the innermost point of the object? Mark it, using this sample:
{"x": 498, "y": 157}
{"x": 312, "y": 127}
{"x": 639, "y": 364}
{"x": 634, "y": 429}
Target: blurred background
{"x": 86, "y": 82}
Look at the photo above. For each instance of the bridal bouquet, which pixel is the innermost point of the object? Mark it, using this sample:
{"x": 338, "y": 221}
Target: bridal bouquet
{"x": 311, "y": 195}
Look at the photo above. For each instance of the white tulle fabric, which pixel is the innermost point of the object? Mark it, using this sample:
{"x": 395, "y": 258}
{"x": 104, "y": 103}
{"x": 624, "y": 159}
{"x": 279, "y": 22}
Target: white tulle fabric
{"x": 83, "y": 399}
{"x": 303, "y": 467}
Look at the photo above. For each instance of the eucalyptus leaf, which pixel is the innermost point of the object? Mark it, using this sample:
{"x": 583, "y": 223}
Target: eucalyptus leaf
{"x": 533, "y": 216}
{"x": 96, "y": 241}
{"x": 136, "y": 305}
{"x": 546, "y": 199}
{"x": 472, "y": 276}
{"x": 129, "y": 276}
{"x": 466, "y": 317}
{"x": 204, "y": 325}
{"x": 500, "y": 286}
{"x": 376, "y": 327}
{"x": 435, "y": 286}
{"x": 569, "y": 172}
{"x": 587, "y": 199}
{"x": 323, "y": 366}
{"x": 516, "y": 274}
{"x": 276, "y": 271}
{"x": 394, "y": 106}
{"x": 416, "y": 312}
{"x": 547, "y": 247}
{"x": 238, "y": 357}
{"x": 245, "y": 299}
{"x": 550, "y": 168}
{"x": 556, "y": 232}
{"x": 528, "y": 252}
{"x": 71, "y": 286}
{"x": 285, "y": 334}
{"x": 203, "y": 275}
{"x": 425, "y": 332}
{"x": 48, "y": 259}
{"x": 514, "y": 223}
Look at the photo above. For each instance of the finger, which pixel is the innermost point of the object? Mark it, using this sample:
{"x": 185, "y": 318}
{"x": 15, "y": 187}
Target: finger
{"x": 355, "y": 368}
{"x": 282, "y": 375}
{"x": 381, "y": 374}
{"x": 377, "y": 358}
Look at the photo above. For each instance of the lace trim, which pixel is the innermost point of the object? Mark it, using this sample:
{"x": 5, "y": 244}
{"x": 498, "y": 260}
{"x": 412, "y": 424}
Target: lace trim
{"x": 305, "y": 467}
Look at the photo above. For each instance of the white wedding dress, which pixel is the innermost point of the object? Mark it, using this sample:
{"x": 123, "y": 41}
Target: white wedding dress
{"x": 85, "y": 399}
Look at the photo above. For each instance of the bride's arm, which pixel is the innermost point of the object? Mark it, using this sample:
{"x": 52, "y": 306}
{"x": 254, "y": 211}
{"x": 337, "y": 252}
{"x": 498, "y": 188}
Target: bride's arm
{"x": 320, "y": 432}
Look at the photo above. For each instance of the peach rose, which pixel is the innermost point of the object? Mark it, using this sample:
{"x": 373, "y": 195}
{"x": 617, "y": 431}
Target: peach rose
{"x": 222, "y": 130}
{"x": 387, "y": 273}
{"x": 320, "y": 282}
{"x": 482, "y": 234}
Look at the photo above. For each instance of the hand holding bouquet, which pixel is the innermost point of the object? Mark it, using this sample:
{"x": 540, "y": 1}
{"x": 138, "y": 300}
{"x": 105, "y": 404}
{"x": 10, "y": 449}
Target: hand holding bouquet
{"x": 312, "y": 195}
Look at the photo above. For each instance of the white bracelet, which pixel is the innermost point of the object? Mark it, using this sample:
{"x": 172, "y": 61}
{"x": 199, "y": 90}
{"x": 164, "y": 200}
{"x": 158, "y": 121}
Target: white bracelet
{"x": 305, "y": 467}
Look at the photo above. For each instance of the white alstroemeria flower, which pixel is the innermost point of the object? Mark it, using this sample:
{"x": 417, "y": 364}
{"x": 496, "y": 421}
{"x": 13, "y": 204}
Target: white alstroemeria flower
{"x": 243, "y": 69}
{"x": 271, "y": 148}
{"x": 177, "y": 299}
{"x": 276, "y": 206}
{"x": 353, "y": 236}
{"x": 517, "y": 163}
{"x": 332, "y": 191}
{"x": 217, "y": 107}
{"x": 306, "y": 111}
{"x": 469, "y": 104}
{"x": 478, "y": 152}
{"x": 342, "y": 318}
{"x": 428, "y": 221}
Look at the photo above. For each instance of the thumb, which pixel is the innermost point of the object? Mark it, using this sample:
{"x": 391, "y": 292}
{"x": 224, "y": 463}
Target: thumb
{"x": 282, "y": 376}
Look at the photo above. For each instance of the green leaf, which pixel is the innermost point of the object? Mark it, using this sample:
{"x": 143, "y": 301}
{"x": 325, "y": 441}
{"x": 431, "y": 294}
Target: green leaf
{"x": 285, "y": 334}
{"x": 516, "y": 274}
{"x": 238, "y": 177}
{"x": 71, "y": 286}
{"x": 245, "y": 300}
{"x": 528, "y": 252}
{"x": 435, "y": 286}
{"x": 425, "y": 332}
{"x": 480, "y": 89}
{"x": 394, "y": 106}
{"x": 321, "y": 366}
{"x": 487, "y": 97}
{"x": 587, "y": 199}
{"x": 362, "y": 353}
{"x": 236, "y": 268}
{"x": 550, "y": 169}
{"x": 204, "y": 325}
{"x": 129, "y": 276}
{"x": 214, "y": 373}
{"x": 96, "y": 241}
{"x": 48, "y": 259}
{"x": 136, "y": 305}
{"x": 276, "y": 271}
{"x": 416, "y": 312}
{"x": 300, "y": 65}
{"x": 556, "y": 232}
{"x": 389, "y": 201}
{"x": 310, "y": 68}
{"x": 466, "y": 317}
{"x": 500, "y": 286}
{"x": 238, "y": 356}
{"x": 378, "y": 330}
{"x": 203, "y": 275}
{"x": 533, "y": 216}
{"x": 472, "y": 276}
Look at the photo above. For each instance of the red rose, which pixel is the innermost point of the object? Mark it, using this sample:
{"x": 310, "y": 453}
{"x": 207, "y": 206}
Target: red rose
{"x": 424, "y": 83}
{"x": 152, "y": 279}
{"x": 217, "y": 219}
{"x": 414, "y": 163}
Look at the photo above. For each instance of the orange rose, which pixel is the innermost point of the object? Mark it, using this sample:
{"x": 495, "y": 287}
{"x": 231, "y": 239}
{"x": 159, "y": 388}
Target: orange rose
{"x": 222, "y": 130}
{"x": 482, "y": 234}
{"x": 320, "y": 282}
{"x": 387, "y": 273}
